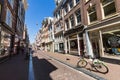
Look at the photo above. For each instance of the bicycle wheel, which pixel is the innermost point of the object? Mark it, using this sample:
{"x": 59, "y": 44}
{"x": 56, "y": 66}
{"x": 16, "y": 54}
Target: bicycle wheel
{"x": 82, "y": 63}
{"x": 100, "y": 67}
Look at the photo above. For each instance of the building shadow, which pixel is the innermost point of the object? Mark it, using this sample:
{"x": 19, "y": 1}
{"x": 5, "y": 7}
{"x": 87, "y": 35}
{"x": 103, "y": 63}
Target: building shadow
{"x": 42, "y": 69}
{"x": 108, "y": 60}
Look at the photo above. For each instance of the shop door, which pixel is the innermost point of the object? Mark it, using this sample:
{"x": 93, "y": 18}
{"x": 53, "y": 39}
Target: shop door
{"x": 95, "y": 45}
{"x": 81, "y": 46}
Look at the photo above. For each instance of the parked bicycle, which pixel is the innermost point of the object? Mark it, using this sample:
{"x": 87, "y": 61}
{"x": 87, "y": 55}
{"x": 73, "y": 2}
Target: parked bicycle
{"x": 94, "y": 63}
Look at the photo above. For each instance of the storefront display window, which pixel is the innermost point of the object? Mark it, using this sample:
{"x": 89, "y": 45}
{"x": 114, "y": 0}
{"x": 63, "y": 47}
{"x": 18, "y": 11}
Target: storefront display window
{"x": 5, "y": 43}
{"x": 111, "y": 42}
{"x": 73, "y": 45}
{"x": 61, "y": 45}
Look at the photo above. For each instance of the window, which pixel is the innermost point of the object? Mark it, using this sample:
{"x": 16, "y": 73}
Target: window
{"x": 92, "y": 14}
{"x": 5, "y": 43}
{"x": 78, "y": 16}
{"x": 11, "y": 2}
{"x": 9, "y": 18}
{"x": 71, "y": 4}
{"x": 66, "y": 9}
{"x": 72, "y": 20}
{"x": 108, "y": 7}
{"x": 67, "y": 24}
{"x": 77, "y": 1}
{"x": 73, "y": 45}
{"x": 111, "y": 42}
{"x": 58, "y": 14}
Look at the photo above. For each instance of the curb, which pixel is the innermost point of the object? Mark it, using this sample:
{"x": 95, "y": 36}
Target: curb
{"x": 81, "y": 69}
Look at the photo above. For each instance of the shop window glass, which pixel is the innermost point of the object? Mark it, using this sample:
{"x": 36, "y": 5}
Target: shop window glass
{"x": 92, "y": 14}
{"x": 108, "y": 7}
{"x": 111, "y": 43}
{"x": 61, "y": 46}
{"x": 5, "y": 43}
{"x": 72, "y": 20}
{"x": 78, "y": 16}
{"x": 73, "y": 45}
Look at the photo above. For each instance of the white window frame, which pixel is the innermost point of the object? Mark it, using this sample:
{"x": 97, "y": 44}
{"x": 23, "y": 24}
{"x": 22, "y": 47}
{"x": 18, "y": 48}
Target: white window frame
{"x": 107, "y": 4}
{"x": 78, "y": 15}
{"x": 72, "y": 19}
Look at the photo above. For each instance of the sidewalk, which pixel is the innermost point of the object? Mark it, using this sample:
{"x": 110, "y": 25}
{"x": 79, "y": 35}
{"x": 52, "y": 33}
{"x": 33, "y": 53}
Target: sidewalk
{"x": 114, "y": 69}
{"x": 15, "y": 68}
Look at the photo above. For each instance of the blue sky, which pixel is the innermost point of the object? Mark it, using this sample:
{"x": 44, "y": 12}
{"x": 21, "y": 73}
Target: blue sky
{"x": 36, "y": 12}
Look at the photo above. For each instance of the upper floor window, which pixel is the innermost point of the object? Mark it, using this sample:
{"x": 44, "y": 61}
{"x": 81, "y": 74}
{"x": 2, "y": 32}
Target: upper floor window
{"x": 78, "y": 16}
{"x": 108, "y": 7}
{"x": 66, "y": 9}
{"x": 92, "y": 14}
{"x": 67, "y": 23}
{"x": 59, "y": 13}
{"x": 11, "y": 2}
{"x": 9, "y": 18}
{"x": 77, "y": 1}
{"x": 72, "y": 20}
{"x": 71, "y": 3}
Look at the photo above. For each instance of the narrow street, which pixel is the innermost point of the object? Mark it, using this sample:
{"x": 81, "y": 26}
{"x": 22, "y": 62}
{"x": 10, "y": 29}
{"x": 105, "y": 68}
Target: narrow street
{"x": 39, "y": 67}
{"x": 46, "y": 68}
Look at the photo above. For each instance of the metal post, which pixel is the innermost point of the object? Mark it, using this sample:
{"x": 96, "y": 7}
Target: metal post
{"x": 78, "y": 39}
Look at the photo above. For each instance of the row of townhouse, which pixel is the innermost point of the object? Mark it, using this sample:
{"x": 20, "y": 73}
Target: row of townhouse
{"x": 12, "y": 18}
{"x": 92, "y": 26}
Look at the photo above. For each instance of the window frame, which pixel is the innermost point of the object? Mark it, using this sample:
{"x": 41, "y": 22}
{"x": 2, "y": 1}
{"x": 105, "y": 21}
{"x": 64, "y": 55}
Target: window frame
{"x": 71, "y": 4}
{"x": 67, "y": 24}
{"x": 107, "y": 4}
{"x": 92, "y": 13}
{"x": 66, "y": 9}
{"x": 78, "y": 16}
{"x": 72, "y": 21}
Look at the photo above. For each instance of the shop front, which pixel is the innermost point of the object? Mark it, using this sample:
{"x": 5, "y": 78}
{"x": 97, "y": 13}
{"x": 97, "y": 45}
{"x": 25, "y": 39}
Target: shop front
{"x": 106, "y": 41}
{"x": 4, "y": 43}
{"x": 74, "y": 42}
{"x": 16, "y": 45}
{"x": 111, "y": 42}
{"x": 59, "y": 47}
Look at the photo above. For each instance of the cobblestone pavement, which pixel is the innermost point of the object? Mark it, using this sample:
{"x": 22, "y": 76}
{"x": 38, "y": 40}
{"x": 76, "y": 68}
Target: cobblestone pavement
{"x": 114, "y": 69}
{"x": 59, "y": 71}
